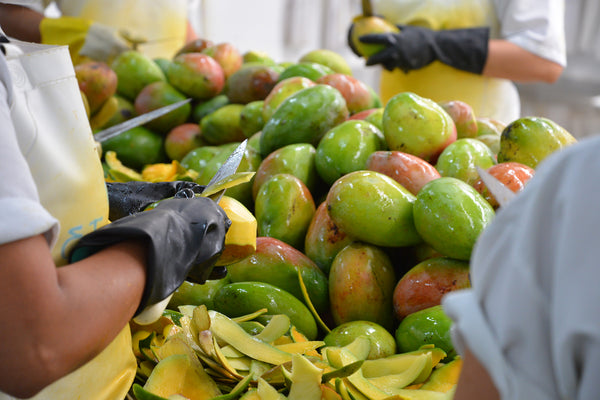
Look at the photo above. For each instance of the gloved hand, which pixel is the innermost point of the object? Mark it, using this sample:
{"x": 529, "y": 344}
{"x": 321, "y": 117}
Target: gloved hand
{"x": 84, "y": 37}
{"x": 416, "y": 47}
{"x": 181, "y": 234}
{"x": 127, "y": 198}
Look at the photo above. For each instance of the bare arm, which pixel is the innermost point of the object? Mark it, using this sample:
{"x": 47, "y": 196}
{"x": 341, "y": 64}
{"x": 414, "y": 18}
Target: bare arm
{"x": 509, "y": 61}
{"x": 21, "y": 22}
{"x": 57, "y": 319}
{"x": 474, "y": 382}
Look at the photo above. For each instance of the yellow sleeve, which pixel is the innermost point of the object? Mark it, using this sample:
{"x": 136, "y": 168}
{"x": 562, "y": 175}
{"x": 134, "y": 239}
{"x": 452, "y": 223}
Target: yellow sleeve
{"x": 70, "y": 31}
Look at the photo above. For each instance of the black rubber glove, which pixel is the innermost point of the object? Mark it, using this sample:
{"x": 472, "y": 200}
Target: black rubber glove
{"x": 132, "y": 197}
{"x": 415, "y": 47}
{"x": 183, "y": 236}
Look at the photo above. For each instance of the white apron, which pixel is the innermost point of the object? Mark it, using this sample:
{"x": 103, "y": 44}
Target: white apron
{"x": 56, "y": 139}
{"x": 489, "y": 97}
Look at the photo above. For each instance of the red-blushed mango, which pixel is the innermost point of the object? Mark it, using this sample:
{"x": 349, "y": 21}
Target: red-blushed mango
{"x": 449, "y": 214}
{"x": 227, "y": 55}
{"x": 425, "y": 284}
{"x": 97, "y": 81}
{"x": 408, "y": 170}
{"x": 278, "y": 263}
{"x": 373, "y": 208}
{"x": 182, "y": 139}
{"x": 196, "y": 75}
{"x": 134, "y": 72}
{"x": 361, "y": 285}
{"x": 513, "y": 175}
{"x": 462, "y": 157}
{"x": 346, "y": 148}
{"x": 195, "y": 46}
{"x": 159, "y": 94}
{"x": 324, "y": 239}
{"x": 281, "y": 91}
{"x": 284, "y": 208}
{"x": 463, "y": 116}
{"x": 359, "y": 96}
{"x": 417, "y": 125}
{"x": 251, "y": 83}
{"x": 297, "y": 159}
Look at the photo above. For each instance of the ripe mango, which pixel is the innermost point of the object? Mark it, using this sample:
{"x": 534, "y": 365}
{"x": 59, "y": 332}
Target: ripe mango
{"x": 364, "y": 25}
{"x": 159, "y": 94}
{"x": 97, "y": 81}
{"x": 227, "y": 55}
{"x": 361, "y": 285}
{"x": 529, "y": 140}
{"x": 223, "y": 125}
{"x": 284, "y": 208}
{"x": 196, "y": 75}
{"x": 329, "y": 58}
{"x": 462, "y": 157}
{"x": 278, "y": 263}
{"x": 358, "y": 95}
{"x": 251, "y": 83}
{"x": 304, "y": 117}
{"x": 373, "y": 208}
{"x": 135, "y": 71}
{"x": 383, "y": 343}
{"x": 281, "y": 91}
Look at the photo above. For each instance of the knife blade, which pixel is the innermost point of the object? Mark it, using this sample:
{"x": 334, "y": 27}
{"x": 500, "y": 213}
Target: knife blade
{"x": 501, "y": 193}
{"x": 224, "y": 173}
{"x": 115, "y": 130}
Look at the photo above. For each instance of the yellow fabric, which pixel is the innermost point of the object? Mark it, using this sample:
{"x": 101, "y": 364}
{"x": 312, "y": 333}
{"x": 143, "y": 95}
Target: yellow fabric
{"x": 57, "y": 142}
{"x": 489, "y": 97}
{"x": 69, "y": 31}
{"x": 161, "y": 22}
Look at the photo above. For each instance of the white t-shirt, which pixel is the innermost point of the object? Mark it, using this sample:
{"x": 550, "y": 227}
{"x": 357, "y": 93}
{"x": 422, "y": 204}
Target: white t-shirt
{"x": 21, "y": 213}
{"x": 532, "y": 316}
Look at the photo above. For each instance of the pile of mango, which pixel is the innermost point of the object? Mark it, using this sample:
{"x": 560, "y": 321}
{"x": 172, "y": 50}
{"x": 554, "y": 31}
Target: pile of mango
{"x": 357, "y": 217}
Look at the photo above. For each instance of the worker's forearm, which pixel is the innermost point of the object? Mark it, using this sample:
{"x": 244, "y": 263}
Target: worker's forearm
{"x": 58, "y": 319}
{"x": 20, "y": 22}
{"x": 475, "y": 383}
{"x": 509, "y": 61}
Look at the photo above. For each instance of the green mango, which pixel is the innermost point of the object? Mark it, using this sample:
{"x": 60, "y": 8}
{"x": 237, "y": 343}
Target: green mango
{"x": 223, "y": 125}
{"x": 125, "y": 112}
{"x": 196, "y": 75}
{"x": 450, "y": 214}
{"x": 282, "y": 90}
{"x": 134, "y": 71}
{"x": 284, "y": 208}
{"x": 324, "y": 239}
{"x": 137, "y": 147}
{"x": 242, "y": 298}
{"x": 160, "y": 94}
{"x": 460, "y": 159}
{"x": 346, "y": 148}
{"x": 361, "y": 285}
{"x": 310, "y": 70}
{"x": 190, "y": 293}
{"x": 428, "y": 326}
{"x": 373, "y": 208}
{"x": 297, "y": 159}
{"x": 258, "y": 57}
{"x": 529, "y": 140}
{"x": 203, "y": 108}
{"x": 417, "y": 125}
{"x": 197, "y": 158}
{"x": 304, "y": 117}
{"x": 278, "y": 263}
{"x": 329, "y": 58}
{"x": 251, "y": 118}
{"x": 383, "y": 343}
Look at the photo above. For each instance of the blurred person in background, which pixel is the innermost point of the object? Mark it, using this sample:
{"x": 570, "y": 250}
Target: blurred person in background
{"x": 70, "y": 281}
{"x": 100, "y": 29}
{"x": 470, "y": 50}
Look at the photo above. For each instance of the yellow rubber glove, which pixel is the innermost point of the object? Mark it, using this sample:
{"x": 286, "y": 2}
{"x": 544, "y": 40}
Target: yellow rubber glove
{"x": 85, "y": 38}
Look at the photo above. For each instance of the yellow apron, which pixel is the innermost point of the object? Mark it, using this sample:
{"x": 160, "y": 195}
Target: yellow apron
{"x": 162, "y": 22}
{"x": 489, "y": 97}
{"x": 56, "y": 139}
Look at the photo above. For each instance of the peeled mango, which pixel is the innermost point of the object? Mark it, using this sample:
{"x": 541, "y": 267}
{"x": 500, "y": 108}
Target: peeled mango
{"x": 361, "y": 285}
{"x": 449, "y": 215}
{"x": 373, "y": 208}
{"x": 529, "y": 140}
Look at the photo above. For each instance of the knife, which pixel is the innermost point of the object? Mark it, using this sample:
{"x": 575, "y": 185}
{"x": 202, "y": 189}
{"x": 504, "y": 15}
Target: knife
{"x": 501, "y": 193}
{"x": 115, "y": 130}
{"x": 224, "y": 178}
{"x": 367, "y": 8}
